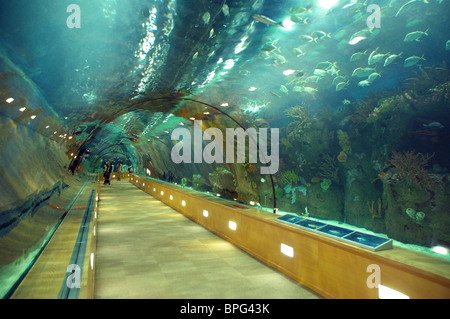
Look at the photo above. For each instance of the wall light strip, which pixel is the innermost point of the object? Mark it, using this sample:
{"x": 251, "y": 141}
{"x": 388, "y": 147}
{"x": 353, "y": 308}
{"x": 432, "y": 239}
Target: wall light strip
{"x": 389, "y": 293}
{"x": 287, "y": 250}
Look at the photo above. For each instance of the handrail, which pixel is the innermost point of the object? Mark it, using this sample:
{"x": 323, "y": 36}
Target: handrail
{"x": 69, "y": 290}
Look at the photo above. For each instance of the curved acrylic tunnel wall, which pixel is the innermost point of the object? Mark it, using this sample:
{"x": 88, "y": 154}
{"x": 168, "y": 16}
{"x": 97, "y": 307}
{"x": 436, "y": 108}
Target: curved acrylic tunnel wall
{"x": 33, "y": 172}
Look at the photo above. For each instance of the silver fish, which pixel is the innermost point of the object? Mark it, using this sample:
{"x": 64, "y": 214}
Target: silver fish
{"x": 412, "y": 60}
{"x": 447, "y": 45}
{"x": 312, "y": 79}
{"x": 356, "y": 56}
{"x": 434, "y": 126}
{"x": 205, "y": 17}
{"x": 373, "y": 76}
{"x": 362, "y": 72}
{"x": 376, "y": 58}
{"x": 341, "y": 86}
{"x": 338, "y": 79}
{"x": 298, "y": 52}
{"x": 284, "y": 89}
{"x": 225, "y": 10}
{"x": 401, "y": 8}
{"x": 364, "y": 83}
{"x": 414, "y": 36}
{"x": 391, "y": 59}
{"x": 320, "y": 72}
{"x": 265, "y": 20}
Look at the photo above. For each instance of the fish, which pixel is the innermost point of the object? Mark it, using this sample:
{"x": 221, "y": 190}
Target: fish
{"x": 346, "y": 102}
{"x": 184, "y": 112}
{"x": 447, "y": 45}
{"x": 341, "y": 86}
{"x": 279, "y": 58}
{"x": 434, "y": 126}
{"x": 391, "y": 59}
{"x": 275, "y": 94}
{"x": 415, "y": 36}
{"x": 401, "y": 8}
{"x": 299, "y": 10}
{"x": 362, "y": 72}
{"x": 298, "y": 52}
{"x": 308, "y": 89}
{"x": 305, "y": 89}
{"x": 338, "y": 79}
{"x": 364, "y": 83}
{"x": 320, "y": 72}
{"x": 376, "y": 58}
{"x": 324, "y": 65}
{"x": 284, "y": 89}
{"x": 225, "y": 10}
{"x": 356, "y": 40}
{"x": 269, "y": 47}
{"x": 206, "y": 17}
{"x": 265, "y": 20}
{"x": 412, "y": 60}
{"x": 413, "y": 23}
{"x": 312, "y": 79}
{"x": 320, "y": 34}
{"x": 306, "y": 38}
{"x": 356, "y": 56}
{"x": 361, "y": 33}
{"x": 298, "y": 19}
{"x": 373, "y": 76}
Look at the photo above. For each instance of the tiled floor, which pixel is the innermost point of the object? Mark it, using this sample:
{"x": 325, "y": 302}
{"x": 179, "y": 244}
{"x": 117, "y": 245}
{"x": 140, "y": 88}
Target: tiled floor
{"x": 145, "y": 249}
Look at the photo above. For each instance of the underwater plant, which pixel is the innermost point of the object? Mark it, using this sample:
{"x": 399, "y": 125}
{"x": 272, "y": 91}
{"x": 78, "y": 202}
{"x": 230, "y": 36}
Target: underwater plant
{"x": 289, "y": 178}
{"x": 302, "y": 114}
{"x": 328, "y": 168}
{"x": 411, "y": 166}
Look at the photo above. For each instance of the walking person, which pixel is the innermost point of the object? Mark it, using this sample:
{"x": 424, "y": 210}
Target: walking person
{"x": 119, "y": 170}
{"x": 107, "y": 169}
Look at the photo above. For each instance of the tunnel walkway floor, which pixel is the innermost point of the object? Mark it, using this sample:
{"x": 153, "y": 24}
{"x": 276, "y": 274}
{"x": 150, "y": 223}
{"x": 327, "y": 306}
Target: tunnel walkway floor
{"x": 145, "y": 249}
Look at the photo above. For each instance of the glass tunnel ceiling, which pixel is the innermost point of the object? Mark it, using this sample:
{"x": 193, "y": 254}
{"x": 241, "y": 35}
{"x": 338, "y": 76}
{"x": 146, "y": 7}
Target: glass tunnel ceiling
{"x": 95, "y": 77}
{"x": 115, "y": 85}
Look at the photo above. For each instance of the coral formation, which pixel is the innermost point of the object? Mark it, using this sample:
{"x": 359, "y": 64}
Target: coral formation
{"x": 411, "y": 166}
{"x": 373, "y": 211}
{"x": 342, "y": 157}
{"x": 344, "y": 141}
{"x": 289, "y": 177}
{"x": 222, "y": 180}
{"x": 303, "y": 116}
{"x": 326, "y": 183}
{"x": 328, "y": 168}
{"x": 418, "y": 217}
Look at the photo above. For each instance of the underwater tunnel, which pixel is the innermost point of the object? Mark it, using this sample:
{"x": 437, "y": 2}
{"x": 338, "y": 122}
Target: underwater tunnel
{"x": 258, "y": 149}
